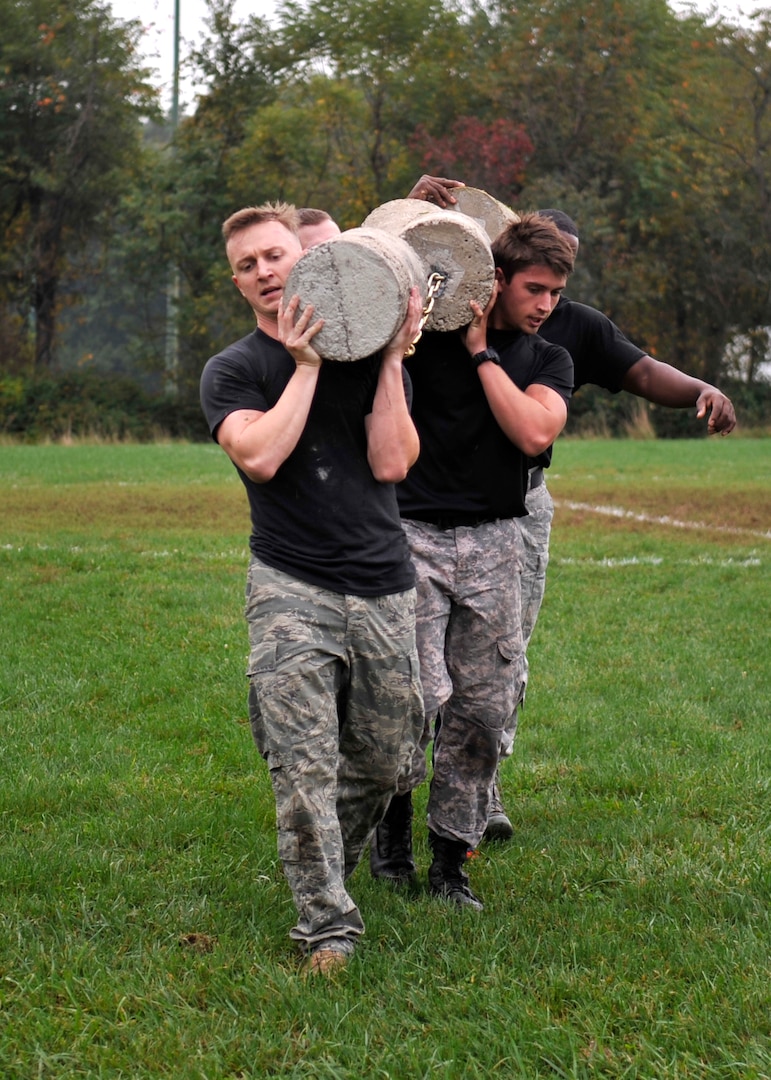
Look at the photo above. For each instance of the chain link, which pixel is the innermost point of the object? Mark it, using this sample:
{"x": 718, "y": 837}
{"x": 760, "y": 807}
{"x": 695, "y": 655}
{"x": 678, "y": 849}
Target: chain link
{"x": 435, "y": 283}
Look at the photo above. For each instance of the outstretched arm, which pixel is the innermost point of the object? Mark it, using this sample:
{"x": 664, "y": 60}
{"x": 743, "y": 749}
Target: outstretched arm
{"x": 392, "y": 441}
{"x": 259, "y": 442}
{"x": 666, "y": 385}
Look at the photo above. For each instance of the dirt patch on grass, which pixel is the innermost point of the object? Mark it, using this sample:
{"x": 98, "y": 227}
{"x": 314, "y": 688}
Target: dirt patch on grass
{"x": 740, "y": 508}
{"x": 120, "y": 511}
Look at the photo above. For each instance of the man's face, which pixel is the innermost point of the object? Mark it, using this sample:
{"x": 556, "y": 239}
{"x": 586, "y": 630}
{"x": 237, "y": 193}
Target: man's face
{"x": 310, "y": 235}
{"x": 261, "y": 257}
{"x": 527, "y": 300}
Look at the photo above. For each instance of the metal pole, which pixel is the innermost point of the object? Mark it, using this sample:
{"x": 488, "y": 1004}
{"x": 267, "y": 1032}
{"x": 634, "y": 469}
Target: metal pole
{"x": 173, "y": 283}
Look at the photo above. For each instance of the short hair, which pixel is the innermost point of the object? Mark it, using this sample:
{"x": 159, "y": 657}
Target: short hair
{"x": 563, "y": 222}
{"x": 532, "y": 241}
{"x": 285, "y": 213}
{"x": 309, "y": 215}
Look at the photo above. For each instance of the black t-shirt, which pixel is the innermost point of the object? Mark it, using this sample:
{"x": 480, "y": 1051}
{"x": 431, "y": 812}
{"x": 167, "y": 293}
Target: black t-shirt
{"x": 468, "y": 470}
{"x": 323, "y": 518}
{"x": 601, "y": 353}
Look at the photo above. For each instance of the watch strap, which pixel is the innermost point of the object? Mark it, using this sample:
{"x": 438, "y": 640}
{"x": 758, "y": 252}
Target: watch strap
{"x": 485, "y": 355}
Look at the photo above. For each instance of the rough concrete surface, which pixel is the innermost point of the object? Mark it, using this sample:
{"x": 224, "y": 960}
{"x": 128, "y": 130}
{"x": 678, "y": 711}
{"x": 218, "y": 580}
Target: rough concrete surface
{"x": 492, "y": 215}
{"x": 451, "y": 244}
{"x": 359, "y": 282}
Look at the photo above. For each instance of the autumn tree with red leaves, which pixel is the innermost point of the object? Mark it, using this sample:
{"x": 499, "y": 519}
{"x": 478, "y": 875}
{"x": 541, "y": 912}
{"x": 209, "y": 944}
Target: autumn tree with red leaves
{"x": 491, "y": 156}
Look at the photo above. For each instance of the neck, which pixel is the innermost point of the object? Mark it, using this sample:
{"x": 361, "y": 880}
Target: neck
{"x": 496, "y": 322}
{"x": 268, "y": 326}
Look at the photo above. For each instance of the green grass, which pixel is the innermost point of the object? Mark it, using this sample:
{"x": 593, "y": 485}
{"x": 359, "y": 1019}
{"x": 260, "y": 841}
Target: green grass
{"x": 626, "y": 930}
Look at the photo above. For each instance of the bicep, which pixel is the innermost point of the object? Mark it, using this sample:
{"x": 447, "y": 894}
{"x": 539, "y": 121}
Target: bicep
{"x": 231, "y": 431}
{"x": 553, "y": 404}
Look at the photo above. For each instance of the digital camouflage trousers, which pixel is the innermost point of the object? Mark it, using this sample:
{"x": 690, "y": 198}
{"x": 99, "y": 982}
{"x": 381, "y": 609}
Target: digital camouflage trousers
{"x": 471, "y": 662}
{"x": 536, "y": 530}
{"x": 336, "y": 711}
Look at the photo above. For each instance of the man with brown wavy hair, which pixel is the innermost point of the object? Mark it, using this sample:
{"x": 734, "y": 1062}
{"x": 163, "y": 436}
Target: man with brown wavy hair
{"x": 484, "y": 402}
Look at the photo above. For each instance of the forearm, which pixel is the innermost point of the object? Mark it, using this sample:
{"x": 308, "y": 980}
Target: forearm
{"x": 532, "y": 421}
{"x": 392, "y": 441}
{"x": 665, "y": 385}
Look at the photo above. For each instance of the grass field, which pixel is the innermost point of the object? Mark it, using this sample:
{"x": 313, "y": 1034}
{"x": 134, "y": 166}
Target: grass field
{"x": 143, "y": 913}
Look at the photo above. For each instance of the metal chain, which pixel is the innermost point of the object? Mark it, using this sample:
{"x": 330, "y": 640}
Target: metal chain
{"x": 435, "y": 283}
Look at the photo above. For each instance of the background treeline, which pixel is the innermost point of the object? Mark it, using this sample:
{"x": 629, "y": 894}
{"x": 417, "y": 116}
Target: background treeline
{"x": 652, "y": 130}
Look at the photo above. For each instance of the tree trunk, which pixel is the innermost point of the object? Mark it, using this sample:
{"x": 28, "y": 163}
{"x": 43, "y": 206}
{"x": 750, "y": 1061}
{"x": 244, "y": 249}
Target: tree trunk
{"x": 46, "y": 287}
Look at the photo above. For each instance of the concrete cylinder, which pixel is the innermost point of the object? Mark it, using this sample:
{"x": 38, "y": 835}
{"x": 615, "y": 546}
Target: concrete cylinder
{"x": 359, "y": 282}
{"x": 492, "y": 215}
{"x": 447, "y": 243}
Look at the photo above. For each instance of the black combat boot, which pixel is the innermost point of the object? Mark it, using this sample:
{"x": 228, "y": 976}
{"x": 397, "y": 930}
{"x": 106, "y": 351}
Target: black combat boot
{"x": 446, "y": 876}
{"x": 390, "y": 851}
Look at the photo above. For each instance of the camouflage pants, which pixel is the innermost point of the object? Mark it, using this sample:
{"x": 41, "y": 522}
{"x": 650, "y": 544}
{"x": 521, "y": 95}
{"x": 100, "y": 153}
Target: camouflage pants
{"x": 536, "y": 529}
{"x": 471, "y": 663}
{"x": 336, "y": 709}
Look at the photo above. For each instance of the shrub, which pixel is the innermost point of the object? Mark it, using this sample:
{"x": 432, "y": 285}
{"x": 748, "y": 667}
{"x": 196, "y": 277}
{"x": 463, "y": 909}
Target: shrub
{"x": 79, "y": 404}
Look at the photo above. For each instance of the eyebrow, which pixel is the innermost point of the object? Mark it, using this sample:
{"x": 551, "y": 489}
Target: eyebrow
{"x": 252, "y": 256}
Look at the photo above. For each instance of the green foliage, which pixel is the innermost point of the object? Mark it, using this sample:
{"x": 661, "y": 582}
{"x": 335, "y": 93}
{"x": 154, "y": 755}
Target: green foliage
{"x": 652, "y": 130}
{"x": 304, "y": 149}
{"x": 398, "y": 54}
{"x": 81, "y": 404}
{"x": 71, "y": 99}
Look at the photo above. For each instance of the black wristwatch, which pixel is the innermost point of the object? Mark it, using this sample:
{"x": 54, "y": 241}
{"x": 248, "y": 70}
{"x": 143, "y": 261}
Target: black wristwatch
{"x": 482, "y": 357}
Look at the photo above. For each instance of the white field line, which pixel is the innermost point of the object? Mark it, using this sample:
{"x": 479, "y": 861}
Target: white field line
{"x": 650, "y": 519}
{"x": 242, "y": 556}
{"x": 656, "y": 560}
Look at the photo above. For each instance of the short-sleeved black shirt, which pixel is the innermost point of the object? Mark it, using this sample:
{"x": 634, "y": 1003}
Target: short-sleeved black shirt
{"x": 601, "y": 353}
{"x": 323, "y": 518}
{"x": 468, "y": 470}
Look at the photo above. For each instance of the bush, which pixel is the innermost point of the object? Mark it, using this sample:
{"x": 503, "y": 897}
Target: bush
{"x": 78, "y": 404}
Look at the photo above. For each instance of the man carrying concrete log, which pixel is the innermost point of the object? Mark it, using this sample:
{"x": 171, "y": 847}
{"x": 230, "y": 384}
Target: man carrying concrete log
{"x": 602, "y": 356}
{"x": 334, "y": 690}
{"x": 481, "y": 412}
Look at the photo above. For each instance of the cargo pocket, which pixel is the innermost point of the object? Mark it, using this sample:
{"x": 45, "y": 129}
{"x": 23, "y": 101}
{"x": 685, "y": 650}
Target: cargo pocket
{"x": 510, "y": 647}
{"x": 512, "y": 653}
{"x": 262, "y": 664}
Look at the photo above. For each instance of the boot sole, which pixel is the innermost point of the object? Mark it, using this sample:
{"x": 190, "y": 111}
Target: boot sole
{"x": 407, "y": 879}
{"x": 465, "y": 901}
{"x": 499, "y": 829}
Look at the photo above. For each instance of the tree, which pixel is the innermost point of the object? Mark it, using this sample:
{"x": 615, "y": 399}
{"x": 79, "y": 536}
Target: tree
{"x": 408, "y": 59}
{"x": 71, "y": 99}
{"x": 309, "y": 144}
{"x": 738, "y": 147}
{"x": 491, "y": 156}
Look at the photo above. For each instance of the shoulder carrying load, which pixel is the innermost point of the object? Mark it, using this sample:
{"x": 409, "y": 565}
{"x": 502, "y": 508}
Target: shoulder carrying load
{"x": 492, "y": 215}
{"x": 359, "y": 282}
{"x": 447, "y": 243}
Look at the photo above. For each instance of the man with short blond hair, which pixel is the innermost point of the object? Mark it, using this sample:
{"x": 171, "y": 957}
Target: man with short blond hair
{"x": 334, "y": 691}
